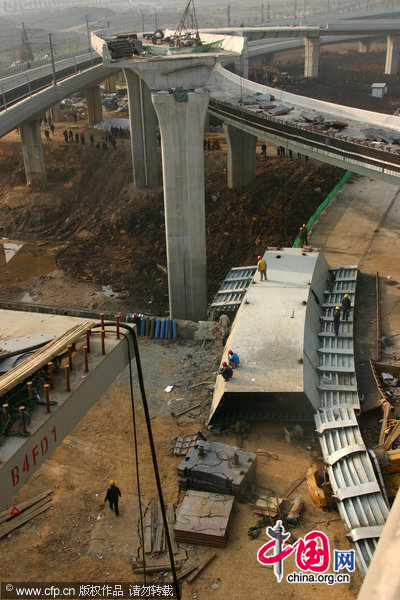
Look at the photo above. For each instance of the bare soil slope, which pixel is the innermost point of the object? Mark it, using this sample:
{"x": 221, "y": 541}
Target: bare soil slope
{"x": 115, "y": 236}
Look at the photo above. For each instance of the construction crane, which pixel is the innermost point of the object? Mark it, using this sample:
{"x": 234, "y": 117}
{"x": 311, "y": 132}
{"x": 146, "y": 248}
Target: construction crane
{"x": 187, "y": 35}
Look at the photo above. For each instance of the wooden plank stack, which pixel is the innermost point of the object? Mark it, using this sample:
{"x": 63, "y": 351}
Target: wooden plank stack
{"x": 41, "y": 357}
{"x": 204, "y": 518}
{"x": 24, "y": 512}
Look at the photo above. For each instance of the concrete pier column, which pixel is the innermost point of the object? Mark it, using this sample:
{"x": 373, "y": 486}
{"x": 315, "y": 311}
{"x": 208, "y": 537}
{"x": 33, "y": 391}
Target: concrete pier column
{"x": 56, "y": 113}
{"x": 311, "y": 56}
{"x": 364, "y": 46}
{"x": 93, "y": 105}
{"x": 241, "y": 64}
{"x": 241, "y": 157}
{"x": 143, "y": 121}
{"x": 392, "y": 54}
{"x": 32, "y": 150}
{"x": 110, "y": 84}
{"x": 182, "y": 133}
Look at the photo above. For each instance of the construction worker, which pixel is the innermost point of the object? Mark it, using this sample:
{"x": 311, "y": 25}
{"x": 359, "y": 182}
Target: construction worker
{"x": 112, "y": 495}
{"x": 264, "y": 149}
{"x": 225, "y": 371}
{"x": 336, "y": 320}
{"x": 346, "y": 306}
{"x": 233, "y": 359}
{"x": 262, "y": 268}
{"x": 303, "y": 236}
{"x": 47, "y": 134}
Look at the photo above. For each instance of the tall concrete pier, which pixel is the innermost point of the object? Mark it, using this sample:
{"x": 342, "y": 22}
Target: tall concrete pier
{"x": 32, "y": 150}
{"x": 172, "y": 85}
{"x": 182, "y": 133}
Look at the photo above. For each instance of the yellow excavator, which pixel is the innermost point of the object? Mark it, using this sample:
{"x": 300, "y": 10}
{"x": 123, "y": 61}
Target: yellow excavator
{"x": 269, "y": 75}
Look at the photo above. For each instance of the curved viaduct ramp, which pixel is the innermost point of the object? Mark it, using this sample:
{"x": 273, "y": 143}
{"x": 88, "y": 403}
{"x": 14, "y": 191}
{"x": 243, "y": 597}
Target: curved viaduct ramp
{"x": 349, "y": 150}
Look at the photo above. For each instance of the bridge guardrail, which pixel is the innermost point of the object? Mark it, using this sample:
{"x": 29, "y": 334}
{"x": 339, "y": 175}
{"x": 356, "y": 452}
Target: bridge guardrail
{"x": 39, "y": 62}
{"x": 10, "y": 97}
{"x": 342, "y": 148}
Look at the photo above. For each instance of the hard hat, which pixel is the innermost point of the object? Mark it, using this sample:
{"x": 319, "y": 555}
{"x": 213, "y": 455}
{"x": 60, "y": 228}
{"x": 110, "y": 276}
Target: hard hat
{"x": 258, "y": 257}
{"x": 224, "y": 364}
{"x": 135, "y": 315}
{"x": 346, "y": 295}
{"x": 230, "y": 352}
{"x": 112, "y": 482}
{"x": 304, "y": 224}
{"x": 337, "y": 308}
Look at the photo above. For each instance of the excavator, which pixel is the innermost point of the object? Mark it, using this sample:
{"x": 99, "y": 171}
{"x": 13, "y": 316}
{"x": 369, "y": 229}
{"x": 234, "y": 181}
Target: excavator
{"x": 269, "y": 75}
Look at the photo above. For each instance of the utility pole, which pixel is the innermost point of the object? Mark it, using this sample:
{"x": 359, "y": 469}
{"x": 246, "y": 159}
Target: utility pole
{"x": 108, "y": 24}
{"x": 295, "y": 9}
{"x": 228, "y": 15}
{"x": 262, "y": 14}
{"x": 52, "y": 61}
{"x": 26, "y": 57}
{"x": 304, "y": 10}
{"x": 268, "y": 11}
{"x": 155, "y": 16}
{"x": 88, "y": 32}
{"x": 141, "y": 12}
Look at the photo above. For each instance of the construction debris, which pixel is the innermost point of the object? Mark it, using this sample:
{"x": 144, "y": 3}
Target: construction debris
{"x": 204, "y": 518}
{"x": 313, "y": 482}
{"x": 201, "y": 567}
{"x": 295, "y": 511}
{"x": 184, "y": 442}
{"x": 24, "y": 512}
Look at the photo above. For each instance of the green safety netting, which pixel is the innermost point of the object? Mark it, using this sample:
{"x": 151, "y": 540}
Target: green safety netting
{"x": 323, "y": 205}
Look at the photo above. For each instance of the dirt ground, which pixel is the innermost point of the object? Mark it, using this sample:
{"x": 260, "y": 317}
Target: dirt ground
{"x": 89, "y": 205}
{"x": 80, "y": 540}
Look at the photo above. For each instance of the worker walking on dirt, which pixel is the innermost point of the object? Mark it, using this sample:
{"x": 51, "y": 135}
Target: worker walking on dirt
{"x": 336, "y": 320}
{"x": 113, "y": 493}
{"x": 225, "y": 371}
{"x": 346, "y": 306}
{"x": 71, "y": 136}
{"x": 262, "y": 268}
{"x": 233, "y": 359}
{"x": 47, "y": 134}
{"x": 264, "y": 149}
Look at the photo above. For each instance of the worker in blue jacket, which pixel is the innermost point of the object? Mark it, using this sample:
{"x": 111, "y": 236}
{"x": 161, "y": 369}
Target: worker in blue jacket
{"x": 233, "y": 359}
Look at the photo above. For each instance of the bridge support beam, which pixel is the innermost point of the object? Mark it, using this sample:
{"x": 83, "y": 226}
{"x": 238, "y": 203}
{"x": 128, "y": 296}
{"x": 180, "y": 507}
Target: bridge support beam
{"x": 364, "y": 46}
{"x": 143, "y": 121}
{"x": 93, "y": 104}
{"x": 241, "y": 157}
{"x": 32, "y": 150}
{"x": 182, "y": 134}
{"x": 392, "y": 54}
{"x": 110, "y": 84}
{"x": 311, "y": 51}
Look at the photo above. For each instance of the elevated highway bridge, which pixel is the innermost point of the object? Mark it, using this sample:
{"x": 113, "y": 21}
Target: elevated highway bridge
{"x": 151, "y": 82}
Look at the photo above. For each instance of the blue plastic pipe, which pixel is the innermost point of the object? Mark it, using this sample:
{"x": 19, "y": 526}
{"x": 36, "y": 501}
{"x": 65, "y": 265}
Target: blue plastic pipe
{"x": 157, "y": 332}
